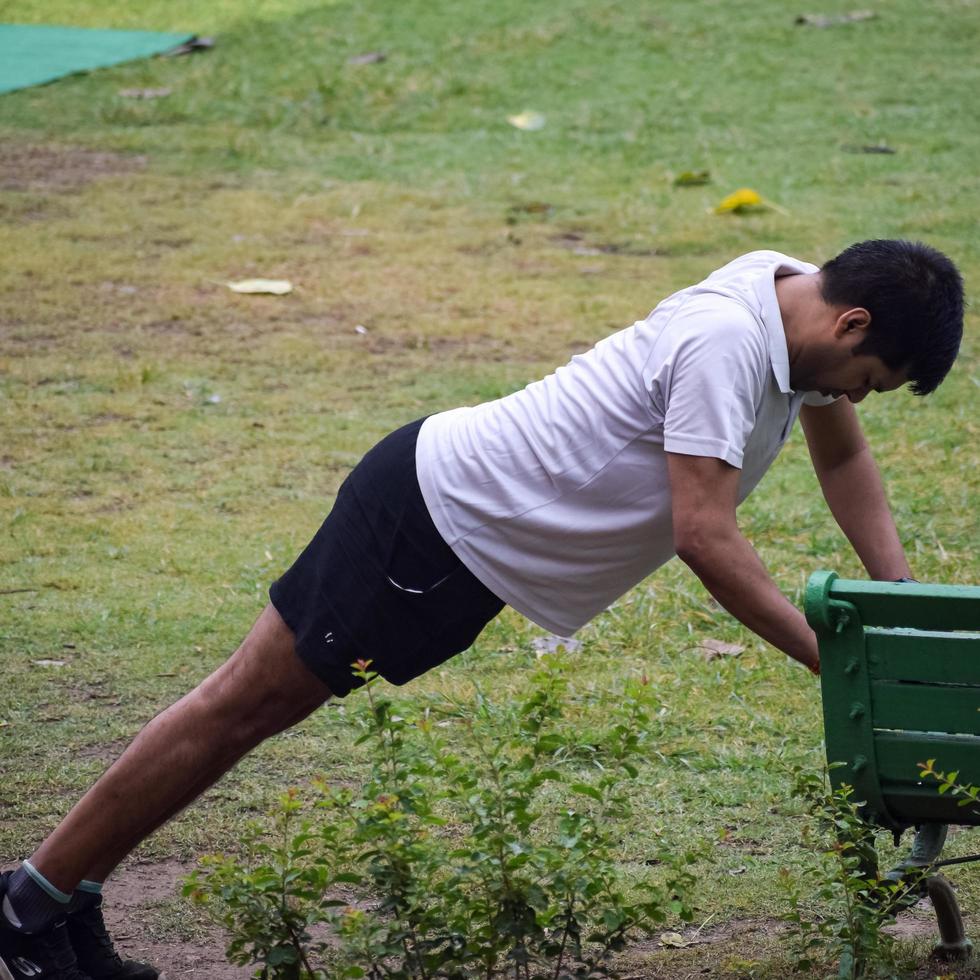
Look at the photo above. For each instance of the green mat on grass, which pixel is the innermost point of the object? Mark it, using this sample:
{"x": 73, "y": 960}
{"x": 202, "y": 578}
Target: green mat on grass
{"x": 35, "y": 54}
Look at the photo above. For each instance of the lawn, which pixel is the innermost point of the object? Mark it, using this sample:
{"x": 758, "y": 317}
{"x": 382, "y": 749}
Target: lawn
{"x": 168, "y": 445}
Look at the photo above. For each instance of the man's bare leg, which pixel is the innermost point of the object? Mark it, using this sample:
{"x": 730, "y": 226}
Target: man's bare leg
{"x": 262, "y": 689}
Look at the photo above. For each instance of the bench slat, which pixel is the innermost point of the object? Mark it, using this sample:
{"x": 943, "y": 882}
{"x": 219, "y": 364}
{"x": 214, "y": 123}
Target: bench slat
{"x": 915, "y": 800}
{"x": 915, "y": 655}
{"x": 926, "y": 708}
{"x": 898, "y": 754}
{"x": 925, "y": 607}
{"x": 916, "y": 808}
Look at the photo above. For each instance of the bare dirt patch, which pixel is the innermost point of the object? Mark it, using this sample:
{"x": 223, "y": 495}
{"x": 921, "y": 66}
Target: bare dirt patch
{"x": 701, "y": 950}
{"x": 137, "y": 896}
{"x": 579, "y": 245}
{"x": 130, "y": 896}
{"x": 33, "y": 167}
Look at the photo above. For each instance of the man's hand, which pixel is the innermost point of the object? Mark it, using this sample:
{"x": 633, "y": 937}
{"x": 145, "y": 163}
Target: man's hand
{"x": 707, "y": 539}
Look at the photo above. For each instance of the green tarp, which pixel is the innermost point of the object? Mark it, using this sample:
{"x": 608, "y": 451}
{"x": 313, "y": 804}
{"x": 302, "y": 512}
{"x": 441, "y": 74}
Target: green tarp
{"x": 34, "y": 54}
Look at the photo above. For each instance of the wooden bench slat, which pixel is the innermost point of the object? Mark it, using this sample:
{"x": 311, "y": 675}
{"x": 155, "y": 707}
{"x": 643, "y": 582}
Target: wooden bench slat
{"x": 916, "y": 655}
{"x": 921, "y": 707}
{"x": 925, "y": 607}
{"x": 914, "y": 800}
{"x": 898, "y": 753}
{"x": 917, "y": 808}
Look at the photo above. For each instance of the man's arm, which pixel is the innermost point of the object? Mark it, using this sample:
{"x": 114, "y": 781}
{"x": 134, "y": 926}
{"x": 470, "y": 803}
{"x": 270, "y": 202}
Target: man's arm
{"x": 852, "y": 487}
{"x": 707, "y": 539}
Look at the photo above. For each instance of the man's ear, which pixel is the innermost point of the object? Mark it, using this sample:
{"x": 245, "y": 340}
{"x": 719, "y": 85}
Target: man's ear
{"x": 854, "y": 322}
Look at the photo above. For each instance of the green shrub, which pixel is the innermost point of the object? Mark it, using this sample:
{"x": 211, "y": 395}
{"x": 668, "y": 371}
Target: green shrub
{"x": 839, "y": 900}
{"x": 496, "y": 856}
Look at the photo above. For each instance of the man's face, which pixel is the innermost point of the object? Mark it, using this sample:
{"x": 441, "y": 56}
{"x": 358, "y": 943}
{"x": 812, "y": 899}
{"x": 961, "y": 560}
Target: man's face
{"x": 831, "y": 363}
{"x": 855, "y": 376}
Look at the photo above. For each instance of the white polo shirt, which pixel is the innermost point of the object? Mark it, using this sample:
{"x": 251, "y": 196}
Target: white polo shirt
{"x": 557, "y": 497}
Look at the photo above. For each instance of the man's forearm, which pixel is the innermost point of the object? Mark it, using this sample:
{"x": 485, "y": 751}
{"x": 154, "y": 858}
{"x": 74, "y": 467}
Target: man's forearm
{"x": 734, "y": 574}
{"x": 856, "y": 498}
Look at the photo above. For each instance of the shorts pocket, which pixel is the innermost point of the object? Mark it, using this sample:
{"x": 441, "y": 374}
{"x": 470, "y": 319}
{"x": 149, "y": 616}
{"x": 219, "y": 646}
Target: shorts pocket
{"x": 419, "y": 562}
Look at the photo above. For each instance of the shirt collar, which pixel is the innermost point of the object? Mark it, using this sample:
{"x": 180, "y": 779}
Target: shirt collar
{"x": 765, "y": 288}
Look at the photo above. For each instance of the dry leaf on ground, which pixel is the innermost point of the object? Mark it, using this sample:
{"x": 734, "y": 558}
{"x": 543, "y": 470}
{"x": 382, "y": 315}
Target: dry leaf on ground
{"x": 834, "y": 20}
{"x": 368, "y": 58}
{"x": 881, "y": 148}
{"x": 712, "y": 649}
{"x": 527, "y": 120}
{"x": 145, "y": 93}
{"x": 272, "y": 287}
{"x": 552, "y": 643}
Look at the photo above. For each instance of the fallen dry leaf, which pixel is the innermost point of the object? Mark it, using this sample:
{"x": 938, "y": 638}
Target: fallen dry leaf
{"x": 273, "y": 287}
{"x": 675, "y": 940}
{"x": 368, "y": 58}
{"x": 883, "y": 148}
{"x": 834, "y": 20}
{"x": 552, "y": 643}
{"x": 527, "y": 120}
{"x": 712, "y": 649}
{"x": 145, "y": 93}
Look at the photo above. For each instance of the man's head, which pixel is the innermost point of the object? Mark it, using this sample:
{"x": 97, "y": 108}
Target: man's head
{"x": 907, "y": 301}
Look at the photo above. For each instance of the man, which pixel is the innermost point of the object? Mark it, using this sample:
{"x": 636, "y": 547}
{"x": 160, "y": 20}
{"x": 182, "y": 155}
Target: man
{"x": 554, "y": 500}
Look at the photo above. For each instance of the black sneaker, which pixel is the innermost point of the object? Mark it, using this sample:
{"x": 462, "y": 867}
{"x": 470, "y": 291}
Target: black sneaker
{"x": 94, "y": 950}
{"x": 43, "y": 955}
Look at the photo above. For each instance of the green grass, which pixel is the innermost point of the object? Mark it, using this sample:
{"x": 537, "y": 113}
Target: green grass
{"x": 146, "y": 519}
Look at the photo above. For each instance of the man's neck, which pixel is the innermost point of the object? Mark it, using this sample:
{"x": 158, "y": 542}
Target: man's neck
{"x": 799, "y": 302}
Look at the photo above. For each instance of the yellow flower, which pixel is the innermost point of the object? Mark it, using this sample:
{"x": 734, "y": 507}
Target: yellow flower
{"x": 741, "y": 201}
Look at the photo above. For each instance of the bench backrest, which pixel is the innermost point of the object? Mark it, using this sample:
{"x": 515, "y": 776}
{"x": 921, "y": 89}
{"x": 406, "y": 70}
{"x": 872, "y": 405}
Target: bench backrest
{"x": 900, "y": 674}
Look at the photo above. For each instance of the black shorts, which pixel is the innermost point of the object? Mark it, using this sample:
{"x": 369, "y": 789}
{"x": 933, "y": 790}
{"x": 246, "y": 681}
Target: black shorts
{"x": 378, "y": 582}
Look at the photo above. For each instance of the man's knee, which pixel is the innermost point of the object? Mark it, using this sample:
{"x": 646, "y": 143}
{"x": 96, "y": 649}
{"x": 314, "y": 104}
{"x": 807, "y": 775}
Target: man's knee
{"x": 264, "y": 688}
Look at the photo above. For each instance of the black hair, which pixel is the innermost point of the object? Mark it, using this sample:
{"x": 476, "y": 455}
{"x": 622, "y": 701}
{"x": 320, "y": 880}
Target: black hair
{"x": 914, "y": 294}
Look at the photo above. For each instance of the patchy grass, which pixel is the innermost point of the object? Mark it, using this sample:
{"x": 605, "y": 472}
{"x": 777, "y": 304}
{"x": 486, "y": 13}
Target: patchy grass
{"x": 168, "y": 446}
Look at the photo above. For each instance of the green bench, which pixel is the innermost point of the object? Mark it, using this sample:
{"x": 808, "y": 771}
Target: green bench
{"x": 900, "y": 677}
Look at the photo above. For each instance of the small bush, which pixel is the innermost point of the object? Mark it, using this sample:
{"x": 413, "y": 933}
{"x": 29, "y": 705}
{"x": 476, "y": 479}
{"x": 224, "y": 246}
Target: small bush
{"x": 851, "y": 899}
{"x": 497, "y": 856}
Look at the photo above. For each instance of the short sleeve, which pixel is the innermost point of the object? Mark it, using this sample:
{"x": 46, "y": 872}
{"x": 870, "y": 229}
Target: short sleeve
{"x": 711, "y": 370}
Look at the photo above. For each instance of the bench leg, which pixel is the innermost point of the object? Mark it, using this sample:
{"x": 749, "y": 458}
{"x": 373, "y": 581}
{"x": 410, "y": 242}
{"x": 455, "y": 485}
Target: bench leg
{"x": 926, "y": 848}
{"x": 929, "y": 840}
{"x": 954, "y": 945}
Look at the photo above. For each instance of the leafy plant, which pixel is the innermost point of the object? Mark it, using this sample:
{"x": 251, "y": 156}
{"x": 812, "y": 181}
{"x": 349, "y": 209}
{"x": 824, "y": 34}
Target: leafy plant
{"x": 494, "y": 857}
{"x": 841, "y": 873}
{"x": 272, "y": 894}
{"x": 949, "y": 782}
